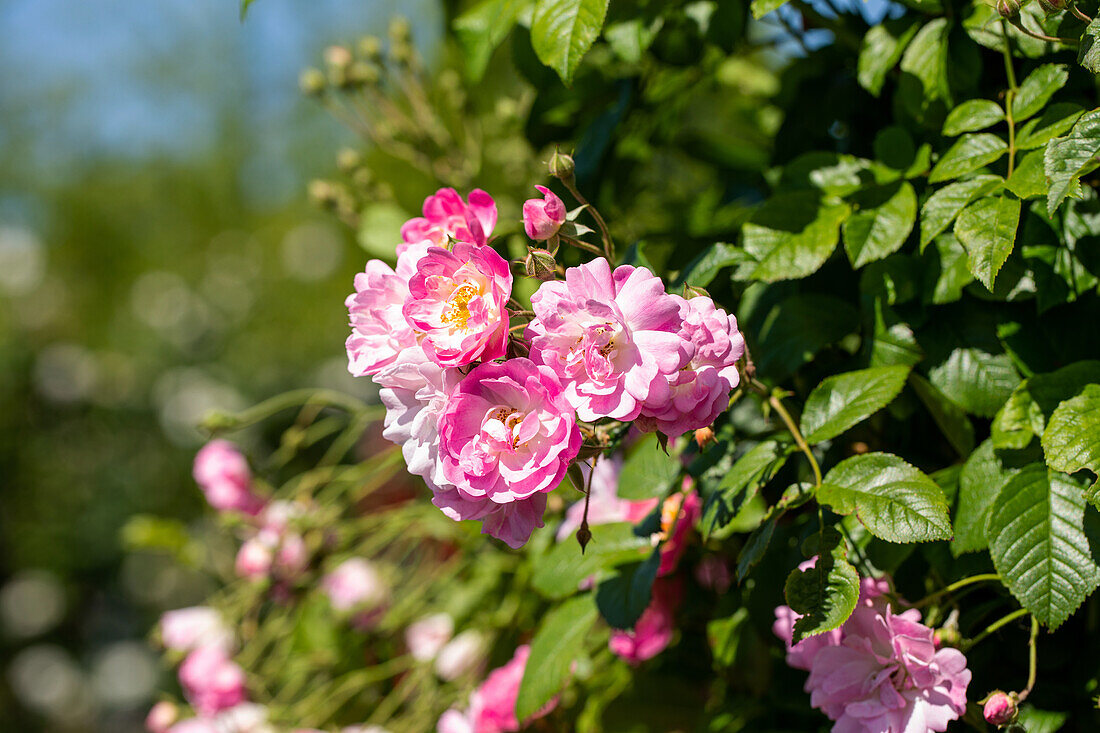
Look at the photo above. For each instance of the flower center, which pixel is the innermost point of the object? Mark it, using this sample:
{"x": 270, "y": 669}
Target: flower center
{"x": 458, "y": 312}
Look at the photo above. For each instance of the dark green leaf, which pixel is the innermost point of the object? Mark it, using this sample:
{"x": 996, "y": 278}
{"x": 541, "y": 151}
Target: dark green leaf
{"x": 648, "y": 471}
{"x": 969, "y": 153}
{"x": 987, "y": 228}
{"x": 975, "y": 380}
{"x": 791, "y": 236}
{"x": 741, "y": 483}
{"x": 826, "y": 594}
{"x": 1068, "y": 158}
{"x": 703, "y": 269}
{"x": 843, "y": 400}
{"x": 557, "y": 644}
{"x": 724, "y": 636}
{"x": 881, "y": 224}
{"x": 892, "y": 342}
{"x": 559, "y": 573}
{"x": 481, "y": 29}
{"x": 1029, "y": 179}
{"x": 972, "y": 115}
{"x": 1088, "y": 53}
{"x": 944, "y": 205}
{"x": 981, "y": 479}
{"x": 952, "y": 273}
{"x": 1057, "y": 119}
{"x": 562, "y": 31}
{"x": 1071, "y": 440}
{"x": 755, "y": 547}
{"x": 881, "y": 50}
{"x": 951, "y": 419}
{"x": 623, "y": 597}
{"x": 797, "y": 328}
{"x": 1031, "y": 404}
{"x": 1037, "y": 89}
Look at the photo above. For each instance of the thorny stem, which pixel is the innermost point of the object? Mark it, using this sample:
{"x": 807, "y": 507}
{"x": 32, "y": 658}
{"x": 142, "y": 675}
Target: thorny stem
{"x": 999, "y": 623}
{"x": 608, "y": 245}
{"x": 1073, "y": 9}
{"x": 1010, "y": 97}
{"x": 954, "y": 587}
{"x": 1032, "y": 660}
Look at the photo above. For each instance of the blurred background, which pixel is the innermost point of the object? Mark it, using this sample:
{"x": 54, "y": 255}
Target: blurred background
{"x": 158, "y": 258}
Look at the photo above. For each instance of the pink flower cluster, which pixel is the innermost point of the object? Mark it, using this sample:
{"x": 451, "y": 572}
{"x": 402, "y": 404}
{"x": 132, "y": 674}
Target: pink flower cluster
{"x": 491, "y": 438}
{"x": 880, "y": 672}
{"x": 492, "y": 707}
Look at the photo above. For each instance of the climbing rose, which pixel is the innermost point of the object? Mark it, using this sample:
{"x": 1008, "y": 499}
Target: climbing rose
{"x": 880, "y": 672}
{"x": 379, "y": 330}
{"x": 428, "y": 635}
{"x": 699, "y": 392}
{"x": 612, "y": 338}
{"x": 355, "y": 583}
{"x": 447, "y": 217}
{"x": 493, "y": 705}
{"x": 211, "y": 680}
{"x": 653, "y": 630}
{"x": 542, "y": 218}
{"x": 457, "y": 300}
{"x": 225, "y": 479}
{"x": 189, "y": 628}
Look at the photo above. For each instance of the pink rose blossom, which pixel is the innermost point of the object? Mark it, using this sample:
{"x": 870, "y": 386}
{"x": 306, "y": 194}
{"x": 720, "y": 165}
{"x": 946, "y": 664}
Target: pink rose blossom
{"x": 542, "y": 218}
{"x": 211, "y": 680}
{"x": 457, "y": 300}
{"x": 379, "y": 330}
{"x": 189, "y": 628}
{"x": 612, "y": 338}
{"x": 493, "y": 705}
{"x": 194, "y": 725}
{"x": 161, "y": 717}
{"x": 447, "y": 217}
{"x": 225, "y": 479}
{"x": 1000, "y": 709}
{"x": 254, "y": 559}
{"x": 244, "y": 718}
{"x": 699, "y": 392}
{"x": 507, "y": 435}
{"x": 653, "y": 631}
{"x": 428, "y": 635}
{"x": 880, "y": 672}
{"x": 604, "y": 506}
{"x": 292, "y": 556}
{"x": 354, "y": 584}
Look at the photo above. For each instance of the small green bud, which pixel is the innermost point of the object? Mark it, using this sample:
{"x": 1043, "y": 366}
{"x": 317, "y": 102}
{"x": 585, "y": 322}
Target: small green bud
{"x": 312, "y": 82}
{"x": 561, "y": 165}
{"x": 370, "y": 48}
{"x": 540, "y": 265}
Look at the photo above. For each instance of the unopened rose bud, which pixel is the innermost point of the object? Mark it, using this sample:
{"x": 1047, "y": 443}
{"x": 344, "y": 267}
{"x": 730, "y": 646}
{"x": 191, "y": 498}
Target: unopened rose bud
{"x": 1008, "y": 8}
{"x": 542, "y": 218}
{"x": 561, "y": 165}
{"x": 694, "y": 291}
{"x": 584, "y": 535}
{"x": 1053, "y": 6}
{"x": 370, "y": 48}
{"x": 337, "y": 57}
{"x": 1000, "y": 708}
{"x": 312, "y": 82}
{"x": 704, "y": 437}
{"x": 540, "y": 265}
{"x": 348, "y": 159}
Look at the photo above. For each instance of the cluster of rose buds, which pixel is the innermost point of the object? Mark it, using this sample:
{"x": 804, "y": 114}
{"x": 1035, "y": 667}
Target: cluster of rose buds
{"x": 491, "y": 419}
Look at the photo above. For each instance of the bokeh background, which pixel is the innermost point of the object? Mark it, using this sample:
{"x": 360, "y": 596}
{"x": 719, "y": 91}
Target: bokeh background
{"x": 158, "y": 258}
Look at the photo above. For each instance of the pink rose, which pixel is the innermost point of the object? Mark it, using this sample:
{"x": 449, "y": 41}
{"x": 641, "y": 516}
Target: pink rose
{"x": 225, "y": 479}
{"x": 354, "y": 584}
{"x": 507, "y": 433}
{"x": 161, "y": 717}
{"x": 1000, "y": 709}
{"x": 194, "y": 725}
{"x": 447, "y": 217}
{"x": 254, "y": 559}
{"x": 292, "y": 555}
{"x": 426, "y": 637}
{"x": 653, "y": 631}
{"x": 493, "y": 705}
{"x": 378, "y": 328}
{"x": 542, "y": 218}
{"x": 457, "y": 300}
{"x": 189, "y": 628}
{"x": 612, "y": 338}
{"x": 699, "y": 392}
{"x": 211, "y": 680}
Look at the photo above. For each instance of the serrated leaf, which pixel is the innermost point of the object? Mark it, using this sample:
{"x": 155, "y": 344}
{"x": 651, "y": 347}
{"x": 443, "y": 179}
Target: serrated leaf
{"x": 975, "y": 380}
{"x": 981, "y": 479}
{"x": 1057, "y": 119}
{"x": 741, "y": 483}
{"x": 648, "y": 471}
{"x": 881, "y": 50}
{"x": 951, "y": 419}
{"x": 562, "y": 31}
{"x": 952, "y": 273}
{"x": 925, "y": 62}
{"x": 843, "y": 400}
{"x": 972, "y": 115}
{"x": 1071, "y": 440}
{"x": 944, "y": 205}
{"x": 1029, "y": 180}
{"x": 1068, "y": 158}
{"x": 755, "y": 547}
{"x": 557, "y": 644}
{"x": 1034, "y": 400}
{"x": 623, "y": 597}
{"x": 559, "y": 572}
{"x": 482, "y": 28}
{"x": 1088, "y": 53}
{"x": 1037, "y": 89}
{"x": 969, "y": 153}
{"x": 882, "y": 223}
{"x": 892, "y": 342}
{"x": 892, "y": 499}
{"x": 791, "y": 236}
{"x": 701, "y": 271}
{"x": 826, "y": 594}
{"x": 1038, "y": 545}
{"x": 987, "y": 229}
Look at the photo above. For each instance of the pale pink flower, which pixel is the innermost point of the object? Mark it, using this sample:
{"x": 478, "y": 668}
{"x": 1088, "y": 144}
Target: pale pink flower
{"x": 612, "y": 338}
{"x": 426, "y": 637}
{"x": 354, "y": 584}
{"x": 379, "y": 330}
{"x": 542, "y": 218}
{"x": 447, "y": 217}
{"x": 1000, "y": 709}
{"x": 653, "y": 631}
{"x": 225, "y": 479}
{"x": 493, "y": 705}
{"x": 460, "y": 655}
{"x": 507, "y": 435}
{"x": 211, "y": 680}
{"x": 699, "y": 392}
{"x": 604, "y": 506}
{"x": 194, "y": 725}
{"x": 189, "y": 628}
{"x": 161, "y": 717}
{"x": 457, "y": 302}
{"x": 254, "y": 559}
{"x": 244, "y": 718}
{"x": 292, "y": 556}
{"x": 364, "y": 729}
{"x": 880, "y": 672}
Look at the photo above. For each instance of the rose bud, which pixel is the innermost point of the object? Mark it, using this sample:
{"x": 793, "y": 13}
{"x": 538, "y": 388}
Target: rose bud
{"x": 540, "y": 265}
{"x": 543, "y": 218}
{"x": 1000, "y": 708}
{"x": 561, "y": 165}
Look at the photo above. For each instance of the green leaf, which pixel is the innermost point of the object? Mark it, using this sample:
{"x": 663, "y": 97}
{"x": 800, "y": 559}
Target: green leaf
{"x": 882, "y": 223}
{"x": 791, "y": 236}
{"x": 972, "y": 115}
{"x": 951, "y": 419}
{"x": 562, "y": 31}
{"x": 724, "y": 636}
{"x": 987, "y": 228}
{"x": 376, "y": 228}
{"x": 648, "y": 471}
{"x": 623, "y": 597}
{"x": 1068, "y": 158}
{"x": 881, "y": 49}
{"x": 557, "y": 644}
{"x": 701, "y": 271}
{"x": 1031, "y": 404}
{"x": 1029, "y": 180}
{"x": 975, "y": 380}
{"x": 1071, "y": 440}
{"x": 969, "y": 153}
{"x": 826, "y": 594}
{"x": 1038, "y": 545}
{"x": 559, "y": 573}
{"x": 981, "y": 479}
{"x": 925, "y": 62}
{"x": 797, "y": 327}
{"x": 482, "y": 28}
{"x": 1088, "y": 53}
{"x": 760, "y": 8}
{"x": 755, "y": 547}
{"x": 1041, "y": 721}
{"x": 893, "y": 500}
{"x": 944, "y": 205}
{"x": 843, "y": 400}
{"x": 1037, "y": 89}
{"x": 630, "y": 39}
{"x": 741, "y": 483}
{"x": 892, "y": 342}
{"x": 1057, "y": 119}
{"x": 952, "y": 274}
